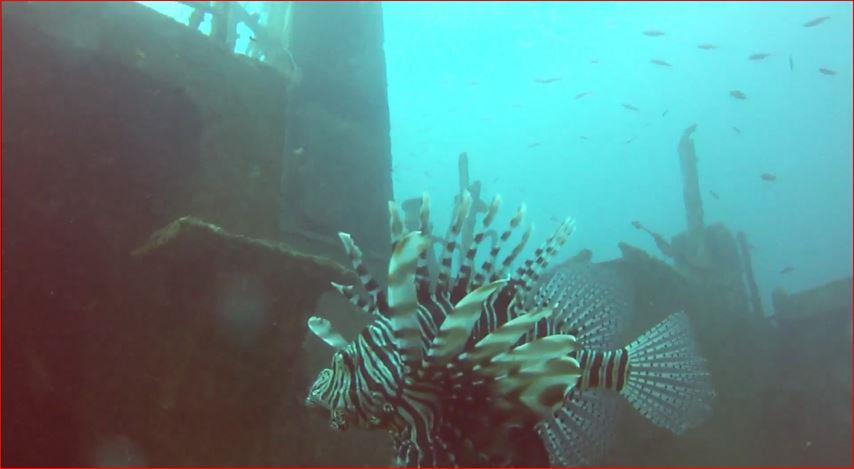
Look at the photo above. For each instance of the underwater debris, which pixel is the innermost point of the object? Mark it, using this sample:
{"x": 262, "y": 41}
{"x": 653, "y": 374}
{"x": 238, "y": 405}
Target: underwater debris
{"x": 758, "y": 56}
{"x": 826, "y": 299}
{"x": 690, "y": 181}
{"x": 630, "y": 107}
{"x": 189, "y": 234}
{"x": 706, "y": 46}
{"x": 653, "y": 33}
{"x": 827, "y": 71}
{"x": 475, "y": 367}
{"x": 768, "y": 177}
{"x": 660, "y": 62}
{"x": 298, "y": 151}
{"x": 816, "y": 21}
{"x": 752, "y": 287}
{"x": 737, "y": 94}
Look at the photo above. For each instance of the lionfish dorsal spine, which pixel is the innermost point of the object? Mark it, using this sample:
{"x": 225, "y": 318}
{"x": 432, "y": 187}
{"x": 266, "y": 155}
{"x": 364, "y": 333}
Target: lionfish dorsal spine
{"x": 375, "y": 298}
{"x": 461, "y": 212}
{"x": 402, "y": 294}
{"x": 395, "y": 223}
{"x": 353, "y": 297}
{"x": 464, "y": 284}
{"x": 508, "y": 261}
{"x": 497, "y": 244}
{"x": 530, "y": 272}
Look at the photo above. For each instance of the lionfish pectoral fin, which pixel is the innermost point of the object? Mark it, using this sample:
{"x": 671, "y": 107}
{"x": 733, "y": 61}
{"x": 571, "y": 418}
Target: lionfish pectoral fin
{"x": 667, "y": 380}
{"x": 579, "y": 432}
{"x": 504, "y": 337}
{"x": 541, "y": 386}
{"x": 456, "y": 328}
{"x": 556, "y": 346}
{"x": 322, "y": 328}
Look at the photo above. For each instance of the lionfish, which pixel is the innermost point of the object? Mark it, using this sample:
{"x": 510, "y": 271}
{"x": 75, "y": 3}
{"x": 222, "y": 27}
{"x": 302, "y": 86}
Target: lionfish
{"x": 474, "y": 367}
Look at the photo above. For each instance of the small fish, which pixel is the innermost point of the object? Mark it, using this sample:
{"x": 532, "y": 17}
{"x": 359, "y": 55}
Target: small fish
{"x": 534, "y": 145}
{"x": 816, "y": 22}
{"x": 252, "y": 38}
{"x": 583, "y": 137}
{"x": 791, "y": 63}
{"x": 547, "y": 80}
{"x": 758, "y": 56}
{"x": 630, "y": 107}
{"x": 653, "y": 33}
{"x": 665, "y": 112}
{"x": 581, "y": 95}
{"x": 714, "y": 194}
{"x": 474, "y": 83}
{"x": 786, "y": 270}
{"x": 637, "y": 224}
{"x": 706, "y": 46}
{"x": 737, "y": 94}
{"x": 736, "y": 130}
{"x": 594, "y": 61}
{"x": 629, "y": 141}
{"x": 827, "y": 71}
{"x": 660, "y": 62}
{"x": 299, "y": 151}
{"x": 768, "y": 177}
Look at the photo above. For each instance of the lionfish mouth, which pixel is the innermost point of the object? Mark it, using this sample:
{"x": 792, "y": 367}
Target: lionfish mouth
{"x": 457, "y": 361}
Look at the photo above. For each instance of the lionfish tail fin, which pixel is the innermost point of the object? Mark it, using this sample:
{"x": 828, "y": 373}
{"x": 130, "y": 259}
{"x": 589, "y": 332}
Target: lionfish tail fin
{"x": 667, "y": 381}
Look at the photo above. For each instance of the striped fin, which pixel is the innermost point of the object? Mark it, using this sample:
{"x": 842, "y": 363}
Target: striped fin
{"x": 581, "y": 430}
{"x": 456, "y": 329}
{"x": 323, "y": 329}
{"x": 395, "y": 222}
{"x": 402, "y": 296}
{"x": 427, "y": 259}
{"x": 508, "y": 261}
{"x": 504, "y": 337}
{"x": 667, "y": 380}
{"x": 530, "y": 271}
{"x": 352, "y": 296}
{"x": 488, "y": 265}
{"x": 461, "y": 212}
{"x": 539, "y": 350}
{"x": 541, "y": 385}
{"x": 466, "y": 267}
{"x": 591, "y": 302}
{"x": 375, "y": 298}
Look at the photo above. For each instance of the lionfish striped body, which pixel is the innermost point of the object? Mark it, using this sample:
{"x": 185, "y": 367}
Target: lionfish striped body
{"x": 469, "y": 367}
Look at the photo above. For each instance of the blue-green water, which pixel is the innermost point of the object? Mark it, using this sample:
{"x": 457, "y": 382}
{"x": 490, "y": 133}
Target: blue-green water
{"x": 462, "y": 78}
